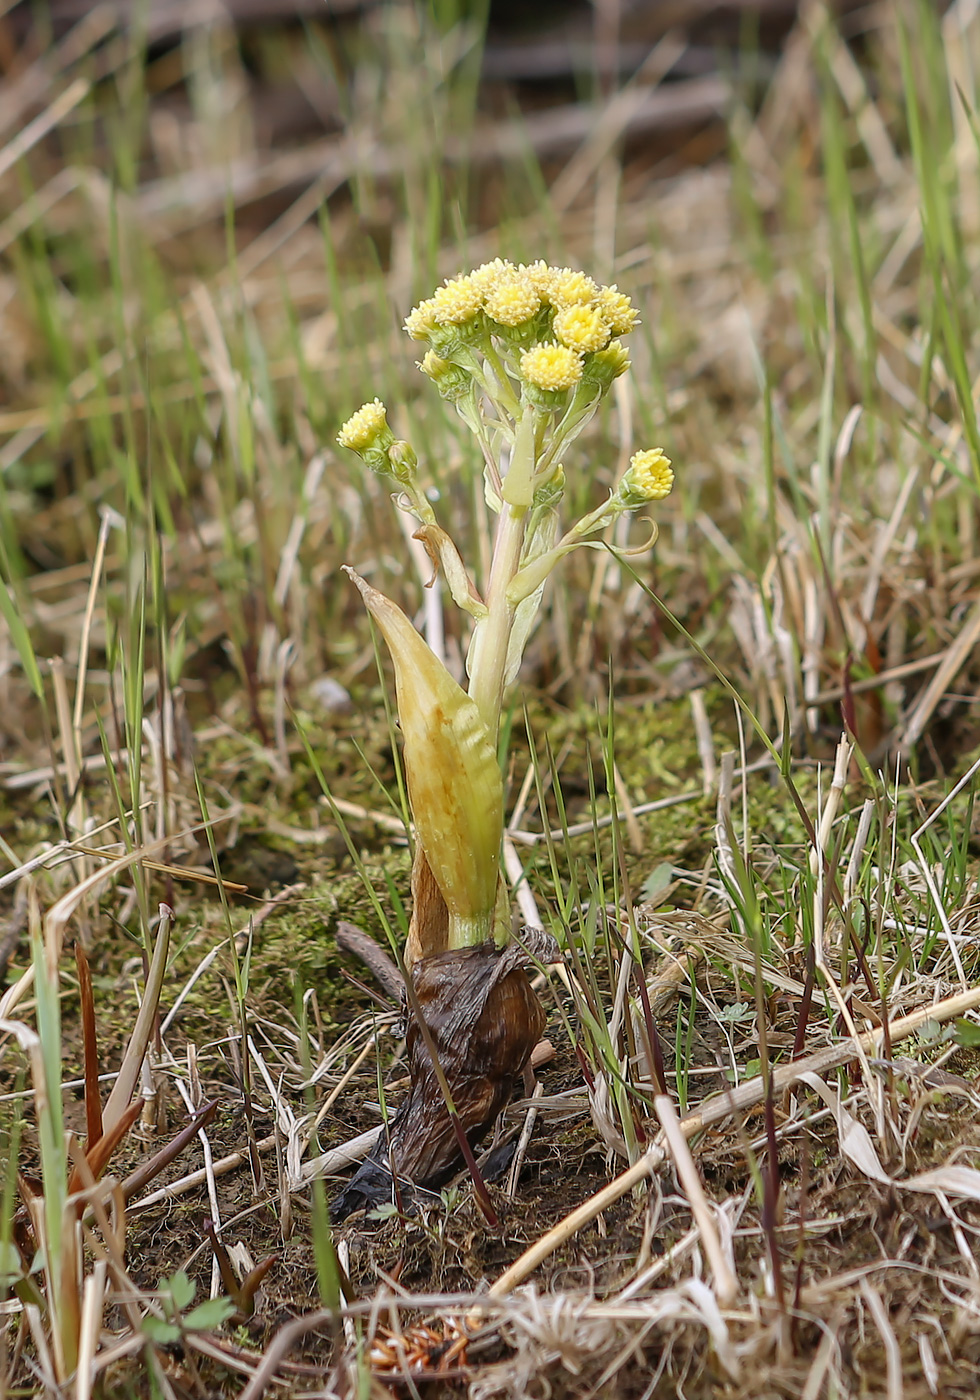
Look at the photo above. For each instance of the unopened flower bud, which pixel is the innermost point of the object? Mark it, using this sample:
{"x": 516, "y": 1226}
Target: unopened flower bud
{"x": 402, "y": 461}
{"x": 550, "y": 492}
{"x": 450, "y": 379}
{"x": 607, "y": 364}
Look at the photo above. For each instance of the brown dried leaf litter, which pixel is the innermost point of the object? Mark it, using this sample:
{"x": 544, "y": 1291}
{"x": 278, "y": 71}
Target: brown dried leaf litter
{"x": 887, "y": 1293}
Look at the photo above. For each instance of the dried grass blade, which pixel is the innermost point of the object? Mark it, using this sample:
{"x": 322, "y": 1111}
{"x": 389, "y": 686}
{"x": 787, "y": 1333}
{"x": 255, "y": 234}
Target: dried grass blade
{"x": 893, "y": 1356}
{"x": 93, "y": 1100}
{"x": 721, "y": 1106}
{"x": 136, "y": 1049}
{"x": 726, "y": 1284}
{"x": 46, "y": 121}
{"x": 952, "y": 662}
{"x": 93, "y": 1296}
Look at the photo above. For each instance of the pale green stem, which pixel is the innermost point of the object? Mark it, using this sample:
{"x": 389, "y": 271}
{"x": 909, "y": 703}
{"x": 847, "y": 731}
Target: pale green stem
{"x": 517, "y": 489}
{"x": 505, "y": 394}
{"x": 468, "y": 932}
{"x": 487, "y": 681}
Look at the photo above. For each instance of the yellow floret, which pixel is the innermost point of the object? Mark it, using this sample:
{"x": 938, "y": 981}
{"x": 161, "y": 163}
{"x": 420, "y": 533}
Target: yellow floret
{"x": 551, "y": 367}
{"x": 457, "y": 301}
{"x": 570, "y": 288}
{"x": 488, "y": 274}
{"x": 363, "y": 429}
{"x": 619, "y": 312}
{"x": 649, "y": 475}
{"x": 421, "y": 320}
{"x": 581, "y": 328}
{"x": 512, "y": 300}
{"x": 539, "y": 274}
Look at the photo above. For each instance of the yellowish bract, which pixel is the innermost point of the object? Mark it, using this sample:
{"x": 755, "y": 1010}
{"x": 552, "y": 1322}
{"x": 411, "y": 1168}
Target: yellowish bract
{"x": 551, "y": 367}
{"x": 454, "y": 778}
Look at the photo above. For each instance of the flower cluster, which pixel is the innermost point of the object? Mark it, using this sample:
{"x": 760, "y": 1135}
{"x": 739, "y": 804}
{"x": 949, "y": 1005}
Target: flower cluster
{"x": 545, "y": 323}
{"x": 367, "y": 429}
{"x": 526, "y": 353}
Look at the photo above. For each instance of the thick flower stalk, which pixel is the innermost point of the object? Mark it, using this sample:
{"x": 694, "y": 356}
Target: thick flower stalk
{"x": 525, "y": 354}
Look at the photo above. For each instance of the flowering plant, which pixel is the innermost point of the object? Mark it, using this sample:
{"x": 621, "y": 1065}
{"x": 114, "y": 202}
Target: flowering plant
{"x": 525, "y": 354}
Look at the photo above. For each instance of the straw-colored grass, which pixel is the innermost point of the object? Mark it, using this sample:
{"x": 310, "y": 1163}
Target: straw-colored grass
{"x": 739, "y": 771}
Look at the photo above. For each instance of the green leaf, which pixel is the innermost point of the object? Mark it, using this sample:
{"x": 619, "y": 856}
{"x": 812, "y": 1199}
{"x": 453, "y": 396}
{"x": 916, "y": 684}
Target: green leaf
{"x": 164, "y": 1333}
{"x": 181, "y": 1289}
{"x": 387, "y": 1210}
{"x": 10, "y": 1265}
{"x": 209, "y": 1314}
{"x": 21, "y": 639}
{"x": 967, "y": 1033}
{"x": 659, "y": 879}
{"x": 738, "y": 1011}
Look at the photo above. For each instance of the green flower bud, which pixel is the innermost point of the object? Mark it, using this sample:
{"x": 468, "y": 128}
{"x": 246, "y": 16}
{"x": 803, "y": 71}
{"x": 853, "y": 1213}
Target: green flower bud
{"x": 606, "y": 365}
{"x": 452, "y": 380}
{"x": 402, "y": 462}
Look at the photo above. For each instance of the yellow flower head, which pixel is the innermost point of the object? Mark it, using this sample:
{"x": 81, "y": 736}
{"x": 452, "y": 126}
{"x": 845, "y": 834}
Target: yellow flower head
{"x": 366, "y": 428}
{"x": 551, "y": 367}
{"x": 539, "y": 274}
{"x": 581, "y": 328}
{"x": 649, "y": 477}
{"x": 457, "y": 301}
{"x": 512, "y": 299}
{"x": 618, "y": 311}
{"x": 570, "y": 288}
{"x": 421, "y": 320}
{"x": 488, "y": 274}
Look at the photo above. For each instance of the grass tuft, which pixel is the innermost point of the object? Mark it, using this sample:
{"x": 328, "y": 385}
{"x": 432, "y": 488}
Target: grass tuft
{"x": 747, "y": 812}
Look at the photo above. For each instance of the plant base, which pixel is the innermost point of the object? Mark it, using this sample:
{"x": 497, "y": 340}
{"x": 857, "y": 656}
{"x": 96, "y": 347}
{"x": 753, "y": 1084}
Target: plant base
{"x": 484, "y": 1019}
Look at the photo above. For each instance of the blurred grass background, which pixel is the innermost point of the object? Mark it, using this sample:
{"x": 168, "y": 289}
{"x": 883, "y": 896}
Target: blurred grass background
{"x": 212, "y": 223}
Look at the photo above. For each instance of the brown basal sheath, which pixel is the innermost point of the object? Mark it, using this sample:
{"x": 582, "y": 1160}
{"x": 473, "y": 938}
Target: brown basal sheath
{"x": 485, "y": 1019}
